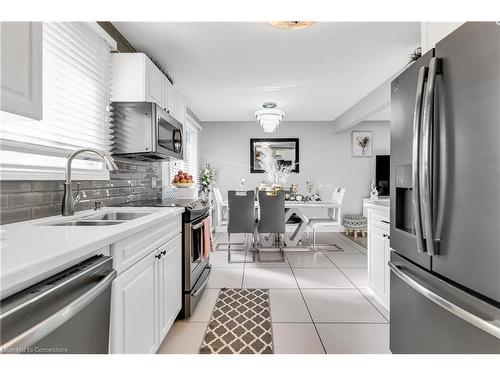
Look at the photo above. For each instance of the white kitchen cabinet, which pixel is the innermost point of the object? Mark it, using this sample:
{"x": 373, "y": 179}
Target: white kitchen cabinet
{"x": 170, "y": 284}
{"x": 181, "y": 109}
{"x": 136, "y": 79}
{"x": 21, "y": 68}
{"x": 135, "y": 308}
{"x": 379, "y": 254}
{"x": 154, "y": 84}
{"x": 170, "y": 93}
{"x": 147, "y": 295}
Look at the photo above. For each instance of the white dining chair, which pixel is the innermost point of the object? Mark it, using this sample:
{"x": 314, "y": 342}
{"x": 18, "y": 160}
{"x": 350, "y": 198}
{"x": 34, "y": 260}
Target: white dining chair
{"x": 334, "y": 215}
{"x": 221, "y": 208}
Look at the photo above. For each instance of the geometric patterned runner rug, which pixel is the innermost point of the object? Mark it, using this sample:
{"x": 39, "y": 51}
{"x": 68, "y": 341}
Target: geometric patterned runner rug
{"x": 240, "y": 323}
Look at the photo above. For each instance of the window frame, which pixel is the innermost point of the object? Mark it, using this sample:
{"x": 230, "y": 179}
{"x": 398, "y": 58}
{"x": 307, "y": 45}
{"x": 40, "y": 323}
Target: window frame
{"x": 55, "y": 155}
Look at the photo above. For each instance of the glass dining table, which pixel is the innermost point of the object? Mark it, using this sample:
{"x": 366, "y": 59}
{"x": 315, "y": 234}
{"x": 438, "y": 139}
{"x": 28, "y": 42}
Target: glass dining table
{"x": 296, "y": 209}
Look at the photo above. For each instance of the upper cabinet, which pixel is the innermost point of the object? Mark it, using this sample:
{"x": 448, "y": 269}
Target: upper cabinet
{"x": 137, "y": 79}
{"x": 21, "y": 68}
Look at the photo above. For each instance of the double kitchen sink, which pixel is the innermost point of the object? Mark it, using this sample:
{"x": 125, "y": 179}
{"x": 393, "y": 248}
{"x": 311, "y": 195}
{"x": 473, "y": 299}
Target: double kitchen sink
{"x": 106, "y": 218}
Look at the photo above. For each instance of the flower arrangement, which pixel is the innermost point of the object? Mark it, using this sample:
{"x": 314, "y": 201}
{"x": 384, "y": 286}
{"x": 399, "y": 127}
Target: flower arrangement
{"x": 275, "y": 174}
{"x": 208, "y": 178}
{"x": 362, "y": 142}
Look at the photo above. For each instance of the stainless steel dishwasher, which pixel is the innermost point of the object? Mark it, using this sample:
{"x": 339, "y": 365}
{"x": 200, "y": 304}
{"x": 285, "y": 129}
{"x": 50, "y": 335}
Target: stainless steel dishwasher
{"x": 66, "y": 313}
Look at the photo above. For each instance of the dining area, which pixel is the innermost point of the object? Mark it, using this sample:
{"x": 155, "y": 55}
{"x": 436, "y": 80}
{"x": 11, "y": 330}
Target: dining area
{"x": 275, "y": 219}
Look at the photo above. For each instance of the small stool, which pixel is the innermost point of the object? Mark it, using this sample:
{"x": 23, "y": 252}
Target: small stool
{"x": 355, "y": 223}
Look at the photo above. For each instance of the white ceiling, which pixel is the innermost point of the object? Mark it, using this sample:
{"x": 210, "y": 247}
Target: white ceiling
{"x": 226, "y": 70}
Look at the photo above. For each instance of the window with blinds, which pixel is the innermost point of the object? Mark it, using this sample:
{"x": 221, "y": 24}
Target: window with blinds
{"x": 190, "y": 162}
{"x": 75, "y": 100}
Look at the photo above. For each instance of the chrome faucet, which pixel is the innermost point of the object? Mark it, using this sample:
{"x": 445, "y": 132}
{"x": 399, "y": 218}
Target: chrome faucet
{"x": 69, "y": 201}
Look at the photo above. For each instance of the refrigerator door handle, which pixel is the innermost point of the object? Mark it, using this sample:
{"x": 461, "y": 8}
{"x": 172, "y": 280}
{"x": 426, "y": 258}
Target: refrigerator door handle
{"x": 442, "y": 164}
{"x": 490, "y": 326}
{"x": 425, "y": 181}
{"x": 422, "y": 75}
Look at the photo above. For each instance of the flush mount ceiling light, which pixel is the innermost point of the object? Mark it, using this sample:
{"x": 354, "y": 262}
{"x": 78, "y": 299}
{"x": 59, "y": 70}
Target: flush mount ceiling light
{"x": 269, "y": 117}
{"x": 292, "y": 25}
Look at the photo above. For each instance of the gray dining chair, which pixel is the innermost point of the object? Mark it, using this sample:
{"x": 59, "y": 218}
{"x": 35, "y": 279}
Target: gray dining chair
{"x": 272, "y": 216}
{"x": 241, "y": 218}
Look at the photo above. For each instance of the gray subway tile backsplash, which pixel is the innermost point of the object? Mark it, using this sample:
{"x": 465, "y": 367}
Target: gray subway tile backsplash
{"x": 15, "y": 186}
{"x": 12, "y": 216}
{"x": 24, "y": 200}
{"x": 28, "y": 199}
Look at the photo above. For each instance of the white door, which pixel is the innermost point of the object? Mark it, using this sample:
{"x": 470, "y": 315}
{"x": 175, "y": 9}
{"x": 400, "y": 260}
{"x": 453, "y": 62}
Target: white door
{"x": 134, "y": 325}
{"x": 21, "y": 68}
{"x": 154, "y": 83}
{"x": 170, "y": 285}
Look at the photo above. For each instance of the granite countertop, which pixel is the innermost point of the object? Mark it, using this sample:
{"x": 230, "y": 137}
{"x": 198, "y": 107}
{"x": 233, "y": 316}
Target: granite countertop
{"x": 33, "y": 250}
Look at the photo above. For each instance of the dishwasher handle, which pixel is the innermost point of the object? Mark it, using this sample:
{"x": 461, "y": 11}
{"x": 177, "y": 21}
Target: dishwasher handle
{"x": 42, "y": 329}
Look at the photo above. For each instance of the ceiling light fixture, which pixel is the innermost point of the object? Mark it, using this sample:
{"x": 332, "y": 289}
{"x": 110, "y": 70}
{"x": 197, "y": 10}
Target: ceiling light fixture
{"x": 292, "y": 25}
{"x": 269, "y": 117}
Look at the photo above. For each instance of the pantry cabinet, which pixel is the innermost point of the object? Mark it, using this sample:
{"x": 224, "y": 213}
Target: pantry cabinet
{"x": 137, "y": 79}
{"x": 21, "y": 68}
{"x": 379, "y": 254}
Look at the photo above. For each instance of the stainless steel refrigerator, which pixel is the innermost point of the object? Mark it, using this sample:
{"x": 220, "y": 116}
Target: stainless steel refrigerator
{"x": 445, "y": 197}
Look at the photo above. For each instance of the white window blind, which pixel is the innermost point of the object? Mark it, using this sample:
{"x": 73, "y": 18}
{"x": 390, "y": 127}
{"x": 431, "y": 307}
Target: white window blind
{"x": 190, "y": 162}
{"x": 75, "y": 99}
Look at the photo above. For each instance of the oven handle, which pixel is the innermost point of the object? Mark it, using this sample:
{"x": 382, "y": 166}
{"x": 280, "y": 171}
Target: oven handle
{"x": 198, "y": 226}
{"x": 202, "y": 286}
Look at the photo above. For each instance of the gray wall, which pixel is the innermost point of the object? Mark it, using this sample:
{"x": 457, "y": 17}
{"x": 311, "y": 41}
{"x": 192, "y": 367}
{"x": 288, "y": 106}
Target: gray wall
{"x": 325, "y": 156}
{"x": 24, "y": 200}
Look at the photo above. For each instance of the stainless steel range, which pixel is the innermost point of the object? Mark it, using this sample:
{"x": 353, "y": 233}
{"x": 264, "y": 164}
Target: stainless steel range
{"x": 195, "y": 269}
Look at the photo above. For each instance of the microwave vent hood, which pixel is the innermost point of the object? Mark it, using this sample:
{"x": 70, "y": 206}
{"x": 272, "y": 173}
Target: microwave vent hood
{"x": 144, "y": 131}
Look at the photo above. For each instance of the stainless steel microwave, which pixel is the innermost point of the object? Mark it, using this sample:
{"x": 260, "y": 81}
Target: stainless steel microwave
{"x": 145, "y": 131}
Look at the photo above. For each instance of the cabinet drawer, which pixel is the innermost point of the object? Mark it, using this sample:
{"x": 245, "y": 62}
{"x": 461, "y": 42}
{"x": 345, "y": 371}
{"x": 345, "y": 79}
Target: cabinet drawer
{"x": 130, "y": 250}
{"x": 379, "y": 220}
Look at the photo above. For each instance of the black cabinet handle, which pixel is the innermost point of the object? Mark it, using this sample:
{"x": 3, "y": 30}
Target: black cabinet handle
{"x": 385, "y": 221}
{"x": 158, "y": 256}
{"x": 163, "y": 252}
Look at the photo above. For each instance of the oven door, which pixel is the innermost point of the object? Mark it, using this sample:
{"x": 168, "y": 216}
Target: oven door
{"x": 169, "y": 137}
{"x": 194, "y": 262}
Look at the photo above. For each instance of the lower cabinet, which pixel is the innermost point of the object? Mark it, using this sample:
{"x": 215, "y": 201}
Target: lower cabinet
{"x": 146, "y": 300}
{"x": 378, "y": 258}
{"x": 135, "y": 308}
{"x": 170, "y": 285}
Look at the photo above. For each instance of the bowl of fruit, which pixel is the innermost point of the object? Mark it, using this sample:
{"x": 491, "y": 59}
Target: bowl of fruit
{"x": 182, "y": 180}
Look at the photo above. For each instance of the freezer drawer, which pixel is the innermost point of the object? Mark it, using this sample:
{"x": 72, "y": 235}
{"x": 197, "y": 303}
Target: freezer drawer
{"x": 429, "y": 315}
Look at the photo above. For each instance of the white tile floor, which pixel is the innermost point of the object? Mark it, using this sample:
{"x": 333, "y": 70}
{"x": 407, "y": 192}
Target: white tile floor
{"x": 319, "y": 300}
